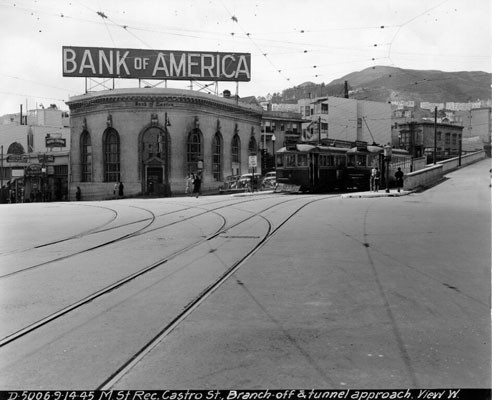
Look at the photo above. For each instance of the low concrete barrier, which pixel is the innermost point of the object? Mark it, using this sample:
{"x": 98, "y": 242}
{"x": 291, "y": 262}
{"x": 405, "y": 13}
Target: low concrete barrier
{"x": 423, "y": 178}
{"x": 453, "y": 163}
{"x": 432, "y": 174}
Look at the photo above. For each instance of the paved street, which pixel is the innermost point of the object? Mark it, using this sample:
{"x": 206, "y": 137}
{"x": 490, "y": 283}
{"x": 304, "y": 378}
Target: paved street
{"x": 263, "y": 291}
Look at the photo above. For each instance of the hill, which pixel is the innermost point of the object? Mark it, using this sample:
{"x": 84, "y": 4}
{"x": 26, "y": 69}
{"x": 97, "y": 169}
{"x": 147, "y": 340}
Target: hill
{"x": 385, "y": 84}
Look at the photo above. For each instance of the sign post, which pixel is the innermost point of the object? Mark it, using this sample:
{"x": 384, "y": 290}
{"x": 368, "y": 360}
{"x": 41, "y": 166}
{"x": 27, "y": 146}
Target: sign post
{"x": 253, "y": 162}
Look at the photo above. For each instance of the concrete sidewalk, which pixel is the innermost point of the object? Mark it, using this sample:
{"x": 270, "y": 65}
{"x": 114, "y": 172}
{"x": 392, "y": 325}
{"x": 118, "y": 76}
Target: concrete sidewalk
{"x": 381, "y": 193}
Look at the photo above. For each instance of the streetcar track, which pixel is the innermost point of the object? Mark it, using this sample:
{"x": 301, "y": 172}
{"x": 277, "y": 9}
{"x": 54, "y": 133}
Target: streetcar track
{"x": 97, "y": 229}
{"x": 194, "y": 304}
{"x": 124, "y": 237}
{"x": 44, "y": 321}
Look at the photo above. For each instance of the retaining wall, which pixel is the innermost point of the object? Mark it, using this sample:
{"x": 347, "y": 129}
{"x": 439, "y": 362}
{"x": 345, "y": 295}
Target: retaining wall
{"x": 432, "y": 174}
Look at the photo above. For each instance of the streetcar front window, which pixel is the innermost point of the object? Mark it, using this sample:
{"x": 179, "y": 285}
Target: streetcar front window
{"x": 361, "y": 160}
{"x": 290, "y": 160}
{"x": 280, "y": 160}
{"x": 339, "y": 161}
{"x": 302, "y": 160}
{"x": 351, "y": 160}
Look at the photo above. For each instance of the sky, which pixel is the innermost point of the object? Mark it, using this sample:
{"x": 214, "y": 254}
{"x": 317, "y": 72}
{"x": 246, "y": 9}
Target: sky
{"x": 290, "y": 41}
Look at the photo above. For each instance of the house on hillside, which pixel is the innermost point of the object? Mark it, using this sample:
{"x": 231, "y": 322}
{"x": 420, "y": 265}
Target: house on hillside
{"x": 337, "y": 118}
{"x": 417, "y": 137}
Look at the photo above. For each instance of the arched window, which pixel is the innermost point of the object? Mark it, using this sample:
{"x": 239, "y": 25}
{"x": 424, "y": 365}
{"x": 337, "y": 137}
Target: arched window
{"x": 86, "y": 157}
{"x": 252, "y": 148}
{"x": 217, "y": 157}
{"x": 111, "y": 145}
{"x": 236, "y": 149}
{"x": 15, "y": 148}
{"x": 194, "y": 150}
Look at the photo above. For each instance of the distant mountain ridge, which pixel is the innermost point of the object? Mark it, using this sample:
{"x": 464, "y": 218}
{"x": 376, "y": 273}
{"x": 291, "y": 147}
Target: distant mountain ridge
{"x": 385, "y": 84}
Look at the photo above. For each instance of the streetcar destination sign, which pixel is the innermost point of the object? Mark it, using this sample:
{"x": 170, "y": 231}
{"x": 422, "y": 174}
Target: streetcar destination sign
{"x": 102, "y": 62}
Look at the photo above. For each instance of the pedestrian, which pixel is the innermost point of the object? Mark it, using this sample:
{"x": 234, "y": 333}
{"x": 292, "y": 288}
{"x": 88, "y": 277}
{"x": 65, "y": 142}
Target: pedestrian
{"x": 188, "y": 183}
{"x": 377, "y": 178}
{"x": 115, "y": 189}
{"x": 120, "y": 189}
{"x": 78, "y": 194}
{"x": 196, "y": 185}
{"x": 399, "y": 179}
{"x": 373, "y": 179}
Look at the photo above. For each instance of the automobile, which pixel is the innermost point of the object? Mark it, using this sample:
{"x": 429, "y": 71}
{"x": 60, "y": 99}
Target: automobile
{"x": 269, "y": 181}
{"x": 249, "y": 181}
{"x": 230, "y": 183}
{"x": 244, "y": 181}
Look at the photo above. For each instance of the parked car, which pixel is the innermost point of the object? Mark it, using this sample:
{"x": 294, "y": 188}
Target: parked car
{"x": 249, "y": 181}
{"x": 230, "y": 183}
{"x": 269, "y": 181}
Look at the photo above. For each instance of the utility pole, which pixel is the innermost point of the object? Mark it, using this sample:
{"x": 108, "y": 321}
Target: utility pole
{"x": 1, "y": 167}
{"x": 435, "y": 135}
{"x": 346, "y": 90}
{"x": 319, "y": 130}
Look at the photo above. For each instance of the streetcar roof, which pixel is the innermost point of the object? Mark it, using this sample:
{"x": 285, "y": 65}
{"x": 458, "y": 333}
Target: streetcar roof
{"x": 308, "y": 148}
{"x": 368, "y": 149}
{"x": 376, "y": 149}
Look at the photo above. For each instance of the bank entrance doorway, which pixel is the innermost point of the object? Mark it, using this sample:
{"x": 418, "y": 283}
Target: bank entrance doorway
{"x": 155, "y": 180}
{"x": 155, "y": 159}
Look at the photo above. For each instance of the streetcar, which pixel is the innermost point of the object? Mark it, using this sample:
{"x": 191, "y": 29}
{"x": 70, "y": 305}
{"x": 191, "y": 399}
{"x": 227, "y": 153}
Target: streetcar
{"x": 320, "y": 168}
{"x": 362, "y": 159}
{"x": 310, "y": 168}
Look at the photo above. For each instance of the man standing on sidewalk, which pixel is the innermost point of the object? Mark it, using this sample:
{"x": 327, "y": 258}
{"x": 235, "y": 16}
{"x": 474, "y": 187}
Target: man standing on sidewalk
{"x": 399, "y": 179}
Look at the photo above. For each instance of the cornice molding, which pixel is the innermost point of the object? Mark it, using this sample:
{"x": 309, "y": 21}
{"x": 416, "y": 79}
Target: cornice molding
{"x": 153, "y": 102}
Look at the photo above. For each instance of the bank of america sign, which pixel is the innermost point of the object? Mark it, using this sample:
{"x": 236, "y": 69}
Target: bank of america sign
{"x": 102, "y": 62}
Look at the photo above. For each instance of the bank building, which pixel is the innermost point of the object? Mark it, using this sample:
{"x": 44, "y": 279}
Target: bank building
{"x": 150, "y": 139}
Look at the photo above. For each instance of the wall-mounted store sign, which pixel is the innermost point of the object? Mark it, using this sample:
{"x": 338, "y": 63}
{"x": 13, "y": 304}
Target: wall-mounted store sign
{"x": 101, "y": 62}
{"x": 55, "y": 142}
{"x": 17, "y": 158}
{"x": 46, "y": 158}
{"x": 34, "y": 170}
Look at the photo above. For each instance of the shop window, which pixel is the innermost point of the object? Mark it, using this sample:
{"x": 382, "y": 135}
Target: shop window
{"x": 217, "y": 157}
{"x": 194, "y": 150}
{"x": 236, "y": 149}
{"x": 111, "y": 145}
{"x": 86, "y": 157}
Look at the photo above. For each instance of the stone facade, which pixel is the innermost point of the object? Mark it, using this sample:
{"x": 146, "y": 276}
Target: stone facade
{"x": 139, "y": 136}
